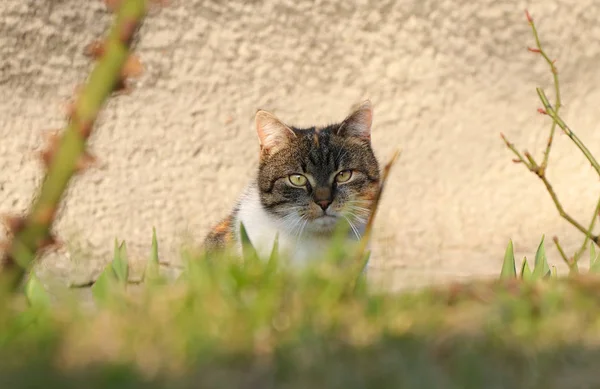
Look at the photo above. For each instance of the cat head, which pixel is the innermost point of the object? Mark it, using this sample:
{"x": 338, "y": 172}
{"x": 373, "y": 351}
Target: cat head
{"x": 311, "y": 178}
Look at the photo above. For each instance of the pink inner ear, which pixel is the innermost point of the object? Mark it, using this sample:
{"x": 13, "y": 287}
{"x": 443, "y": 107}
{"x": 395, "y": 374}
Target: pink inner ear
{"x": 272, "y": 133}
{"x": 366, "y": 118}
{"x": 359, "y": 123}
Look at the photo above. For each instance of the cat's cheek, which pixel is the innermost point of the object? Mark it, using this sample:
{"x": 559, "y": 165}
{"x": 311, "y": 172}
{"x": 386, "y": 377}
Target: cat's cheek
{"x": 342, "y": 196}
{"x": 369, "y": 193}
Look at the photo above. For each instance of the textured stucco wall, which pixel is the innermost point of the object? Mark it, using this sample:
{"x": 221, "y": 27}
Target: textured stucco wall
{"x": 445, "y": 77}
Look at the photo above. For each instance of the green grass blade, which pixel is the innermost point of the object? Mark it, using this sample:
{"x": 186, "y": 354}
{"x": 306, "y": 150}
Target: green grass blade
{"x": 36, "y": 294}
{"x": 154, "y": 252}
{"x": 365, "y": 261}
{"x": 359, "y": 275}
{"x": 120, "y": 263}
{"x": 526, "y": 274}
{"x": 102, "y": 287}
{"x": 509, "y": 269}
{"x": 152, "y": 267}
{"x": 594, "y": 260}
{"x": 595, "y": 267}
{"x": 248, "y": 251}
{"x": 367, "y": 257}
{"x": 274, "y": 257}
{"x": 540, "y": 267}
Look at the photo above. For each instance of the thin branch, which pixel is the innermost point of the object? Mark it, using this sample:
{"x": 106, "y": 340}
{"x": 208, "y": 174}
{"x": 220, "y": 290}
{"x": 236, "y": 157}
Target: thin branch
{"x": 558, "y": 102}
{"x": 512, "y": 147}
{"x": 563, "y": 213}
{"x": 561, "y": 251}
{"x": 558, "y": 120}
{"x": 532, "y": 165}
{"x": 580, "y": 252}
{"x": 540, "y": 170}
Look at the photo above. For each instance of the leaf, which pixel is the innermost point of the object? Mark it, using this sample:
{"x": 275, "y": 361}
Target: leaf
{"x": 595, "y": 268}
{"x": 367, "y": 257}
{"x": 526, "y": 274}
{"x": 104, "y": 284}
{"x": 152, "y": 267}
{"x": 274, "y": 257}
{"x": 541, "y": 268}
{"x": 154, "y": 252}
{"x": 36, "y": 294}
{"x": 248, "y": 250}
{"x": 554, "y": 272}
{"x": 120, "y": 263}
{"x": 594, "y": 260}
{"x": 509, "y": 270}
{"x": 365, "y": 262}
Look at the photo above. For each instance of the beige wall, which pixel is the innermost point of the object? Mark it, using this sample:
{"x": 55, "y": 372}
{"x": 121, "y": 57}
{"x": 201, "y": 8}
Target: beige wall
{"x": 445, "y": 76}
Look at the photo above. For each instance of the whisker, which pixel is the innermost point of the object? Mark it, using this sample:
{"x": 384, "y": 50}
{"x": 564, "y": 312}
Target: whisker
{"x": 293, "y": 227}
{"x": 353, "y": 228}
{"x": 359, "y": 219}
{"x": 302, "y": 229}
{"x": 359, "y": 214}
{"x": 361, "y": 209}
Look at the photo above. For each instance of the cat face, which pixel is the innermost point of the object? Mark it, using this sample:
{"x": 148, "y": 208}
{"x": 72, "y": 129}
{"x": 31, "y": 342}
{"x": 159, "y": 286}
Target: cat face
{"x": 310, "y": 179}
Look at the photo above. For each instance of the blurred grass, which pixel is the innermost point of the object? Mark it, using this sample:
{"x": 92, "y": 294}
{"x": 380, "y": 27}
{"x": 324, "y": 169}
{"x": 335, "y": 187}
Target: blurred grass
{"x": 229, "y": 323}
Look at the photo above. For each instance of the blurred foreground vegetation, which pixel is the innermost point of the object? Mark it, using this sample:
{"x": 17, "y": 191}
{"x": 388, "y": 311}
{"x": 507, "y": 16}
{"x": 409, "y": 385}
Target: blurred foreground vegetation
{"x": 228, "y": 323}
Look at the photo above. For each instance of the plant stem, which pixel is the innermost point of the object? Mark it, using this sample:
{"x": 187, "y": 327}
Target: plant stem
{"x": 558, "y": 120}
{"x": 535, "y": 168}
{"x": 540, "y": 170}
{"x": 558, "y": 102}
{"x": 562, "y": 252}
{"x": 520, "y": 158}
{"x": 589, "y": 234}
{"x": 360, "y": 259}
{"x": 64, "y": 158}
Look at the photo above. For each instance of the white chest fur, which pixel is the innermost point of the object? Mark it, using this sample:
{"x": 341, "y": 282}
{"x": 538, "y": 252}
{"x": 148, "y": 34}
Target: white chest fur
{"x": 262, "y": 228}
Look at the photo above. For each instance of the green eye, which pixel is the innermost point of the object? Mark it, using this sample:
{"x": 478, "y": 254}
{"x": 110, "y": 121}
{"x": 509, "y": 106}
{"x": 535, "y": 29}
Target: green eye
{"x": 343, "y": 176}
{"x": 297, "y": 179}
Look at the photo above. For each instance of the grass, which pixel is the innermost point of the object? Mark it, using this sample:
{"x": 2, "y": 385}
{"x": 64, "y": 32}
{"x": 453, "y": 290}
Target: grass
{"x": 257, "y": 323}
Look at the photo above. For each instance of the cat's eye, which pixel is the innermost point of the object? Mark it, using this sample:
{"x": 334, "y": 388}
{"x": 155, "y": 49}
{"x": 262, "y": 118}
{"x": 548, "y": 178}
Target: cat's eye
{"x": 297, "y": 179}
{"x": 343, "y": 176}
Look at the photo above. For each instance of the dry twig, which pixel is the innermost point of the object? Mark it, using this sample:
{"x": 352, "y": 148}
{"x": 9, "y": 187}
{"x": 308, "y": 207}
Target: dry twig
{"x": 540, "y": 169}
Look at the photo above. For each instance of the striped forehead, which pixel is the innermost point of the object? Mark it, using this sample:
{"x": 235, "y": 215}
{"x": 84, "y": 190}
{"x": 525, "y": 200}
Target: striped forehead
{"x": 320, "y": 153}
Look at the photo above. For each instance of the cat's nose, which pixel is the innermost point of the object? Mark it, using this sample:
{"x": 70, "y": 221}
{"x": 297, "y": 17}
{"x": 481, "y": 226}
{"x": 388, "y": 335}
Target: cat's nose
{"x": 323, "y": 197}
{"x": 324, "y": 204}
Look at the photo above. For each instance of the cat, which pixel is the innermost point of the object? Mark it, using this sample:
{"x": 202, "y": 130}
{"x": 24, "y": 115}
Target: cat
{"x": 308, "y": 179}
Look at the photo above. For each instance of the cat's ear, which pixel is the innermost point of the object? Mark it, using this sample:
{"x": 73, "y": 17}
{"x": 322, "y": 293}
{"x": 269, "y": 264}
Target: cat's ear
{"x": 358, "y": 123}
{"x": 273, "y": 134}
